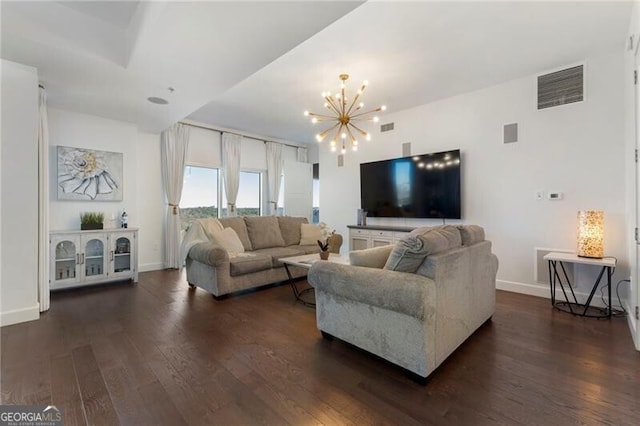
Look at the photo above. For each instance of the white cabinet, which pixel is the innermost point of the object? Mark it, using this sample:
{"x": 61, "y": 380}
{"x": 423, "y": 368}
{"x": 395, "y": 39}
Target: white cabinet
{"x": 90, "y": 257}
{"x": 361, "y": 238}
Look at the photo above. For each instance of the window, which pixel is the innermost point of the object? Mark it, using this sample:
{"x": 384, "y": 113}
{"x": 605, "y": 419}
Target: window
{"x": 248, "y": 200}
{"x": 199, "y": 194}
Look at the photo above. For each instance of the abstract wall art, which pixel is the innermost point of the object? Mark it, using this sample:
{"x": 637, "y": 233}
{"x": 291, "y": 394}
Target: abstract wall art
{"x": 89, "y": 175}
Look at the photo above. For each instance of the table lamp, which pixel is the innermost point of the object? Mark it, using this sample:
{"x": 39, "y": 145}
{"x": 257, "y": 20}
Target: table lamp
{"x": 591, "y": 233}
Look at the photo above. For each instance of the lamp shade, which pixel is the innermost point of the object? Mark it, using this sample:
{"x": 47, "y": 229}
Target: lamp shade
{"x": 591, "y": 233}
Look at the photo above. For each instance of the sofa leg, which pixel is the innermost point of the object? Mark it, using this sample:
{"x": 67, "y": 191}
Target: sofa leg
{"x": 326, "y": 335}
{"x": 191, "y": 286}
{"x": 219, "y": 298}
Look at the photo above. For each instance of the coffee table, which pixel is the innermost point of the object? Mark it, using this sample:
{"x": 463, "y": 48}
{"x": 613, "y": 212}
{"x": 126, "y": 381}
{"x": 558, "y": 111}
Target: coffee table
{"x": 307, "y": 295}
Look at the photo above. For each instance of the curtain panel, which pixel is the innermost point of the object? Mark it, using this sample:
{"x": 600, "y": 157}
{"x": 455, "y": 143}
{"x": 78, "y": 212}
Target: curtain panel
{"x": 274, "y": 175}
{"x": 302, "y": 155}
{"x": 43, "y": 202}
{"x": 174, "y": 144}
{"x": 231, "y": 147}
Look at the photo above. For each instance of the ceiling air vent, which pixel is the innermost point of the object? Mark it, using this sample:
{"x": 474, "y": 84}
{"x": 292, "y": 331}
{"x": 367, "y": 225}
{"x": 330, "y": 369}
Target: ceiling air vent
{"x": 386, "y": 127}
{"x": 561, "y": 87}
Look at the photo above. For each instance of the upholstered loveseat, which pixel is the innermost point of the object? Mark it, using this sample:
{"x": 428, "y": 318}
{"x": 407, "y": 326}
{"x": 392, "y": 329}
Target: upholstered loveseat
{"x": 261, "y": 240}
{"x": 418, "y": 317}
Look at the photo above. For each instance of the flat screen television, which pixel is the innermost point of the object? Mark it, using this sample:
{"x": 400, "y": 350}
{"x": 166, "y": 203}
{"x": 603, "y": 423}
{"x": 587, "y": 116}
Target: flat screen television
{"x": 420, "y": 186}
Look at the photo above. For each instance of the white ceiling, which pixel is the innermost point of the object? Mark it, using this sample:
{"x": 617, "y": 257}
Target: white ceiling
{"x": 255, "y": 66}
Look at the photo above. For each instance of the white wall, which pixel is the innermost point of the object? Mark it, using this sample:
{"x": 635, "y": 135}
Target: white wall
{"x": 19, "y": 194}
{"x": 577, "y": 149}
{"x": 143, "y": 198}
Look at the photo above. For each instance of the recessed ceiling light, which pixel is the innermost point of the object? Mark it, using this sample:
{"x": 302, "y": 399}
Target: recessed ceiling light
{"x": 159, "y": 101}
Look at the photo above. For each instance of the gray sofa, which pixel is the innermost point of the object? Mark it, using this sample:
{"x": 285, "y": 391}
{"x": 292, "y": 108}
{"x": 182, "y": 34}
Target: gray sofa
{"x": 418, "y": 317}
{"x": 265, "y": 239}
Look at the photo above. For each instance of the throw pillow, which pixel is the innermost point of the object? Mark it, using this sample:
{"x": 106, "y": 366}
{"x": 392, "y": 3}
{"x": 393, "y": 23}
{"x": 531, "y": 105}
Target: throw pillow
{"x": 238, "y": 225}
{"x": 264, "y": 232}
{"x": 229, "y": 240}
{"x": 409, "y": 253}
{"x": 211, "y": 226}
{"x": 370, "y": 258}
{"x": 309, "y": 234}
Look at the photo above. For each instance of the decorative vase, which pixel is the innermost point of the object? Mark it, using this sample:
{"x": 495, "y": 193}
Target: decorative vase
{"x": 324, "y": 255}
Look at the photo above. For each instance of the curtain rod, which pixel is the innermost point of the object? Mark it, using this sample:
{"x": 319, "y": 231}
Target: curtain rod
{"x": 239, "y": 134}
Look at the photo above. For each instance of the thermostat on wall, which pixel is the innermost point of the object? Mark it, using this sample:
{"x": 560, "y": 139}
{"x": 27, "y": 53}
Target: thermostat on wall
{"x": 555, "y": 195}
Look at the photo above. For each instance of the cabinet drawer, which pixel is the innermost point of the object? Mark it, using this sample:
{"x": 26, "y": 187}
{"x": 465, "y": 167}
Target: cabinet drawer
{"x": 361, "y": 232}
{"x": 376, "y": 233}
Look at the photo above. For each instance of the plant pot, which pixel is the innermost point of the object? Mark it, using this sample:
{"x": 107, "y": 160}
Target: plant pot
{"x": 324, "y": 255}
{"x": 90, "y": 226}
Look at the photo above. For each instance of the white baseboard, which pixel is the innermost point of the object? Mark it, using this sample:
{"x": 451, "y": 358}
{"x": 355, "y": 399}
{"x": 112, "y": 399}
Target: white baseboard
{"x": 633, "y": 323}
{"x": 20, "y": 315}
{"x": 542, "y": 290}
{"x": 147, "y": 267}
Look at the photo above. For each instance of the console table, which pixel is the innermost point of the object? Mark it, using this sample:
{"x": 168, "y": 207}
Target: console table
{"x": 556, "y": 264}
{"x": 369, "y": 236}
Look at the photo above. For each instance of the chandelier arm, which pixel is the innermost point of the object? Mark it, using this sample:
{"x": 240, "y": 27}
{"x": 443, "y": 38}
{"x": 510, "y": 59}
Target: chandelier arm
{"x": 331, "y": 102}
{"x": 368, "y": 112}
{"x": 325, "y": 132}
{"x": 313, "y": 114}
{"x": 353, "y": 138}
{"x": 355, "y": 99}
{"x": 358, "y": 129}
{"x": 342, "y": 100}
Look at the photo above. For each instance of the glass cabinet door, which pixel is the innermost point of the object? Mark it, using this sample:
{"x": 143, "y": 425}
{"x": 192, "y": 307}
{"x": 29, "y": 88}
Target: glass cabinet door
{"x": 66, "y": 258}
{"x": 122, "y": 255}
{"x": 94, "y": 257}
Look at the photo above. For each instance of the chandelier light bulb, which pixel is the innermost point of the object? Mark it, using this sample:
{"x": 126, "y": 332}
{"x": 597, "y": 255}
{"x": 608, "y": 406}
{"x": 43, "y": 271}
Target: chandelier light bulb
{"x": 383, "y": 107}
{"x": 326, "y": 104}
{"x": 365, "y": 83}
{"x": 333, "y": 148}
{"x": 354, "y": 148}
{"x": 355, "y": 142}
{"x": 361, "y": 104}
{"x": 343, "y": 150}
{"x": 314, "y": 120}
{"x": 376, "y": 119}
{"x": 343, "y": 135}
{"x": 368, "y": 137}
{"x": 306, "y": 113}
{"x": 319, "y": 137}
{"x": 333, "y": 142}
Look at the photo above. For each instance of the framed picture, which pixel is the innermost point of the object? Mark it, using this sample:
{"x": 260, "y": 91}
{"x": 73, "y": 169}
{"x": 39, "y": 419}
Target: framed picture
{"x": 89, "y": 175}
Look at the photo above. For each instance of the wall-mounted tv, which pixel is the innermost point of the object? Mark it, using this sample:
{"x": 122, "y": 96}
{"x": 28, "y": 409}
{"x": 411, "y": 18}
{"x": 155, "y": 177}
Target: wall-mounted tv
{"x": 420, "y": 186}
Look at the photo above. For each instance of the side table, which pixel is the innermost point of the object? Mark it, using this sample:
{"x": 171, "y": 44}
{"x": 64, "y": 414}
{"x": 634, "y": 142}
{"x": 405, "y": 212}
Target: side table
{"x": 556, "y": 264}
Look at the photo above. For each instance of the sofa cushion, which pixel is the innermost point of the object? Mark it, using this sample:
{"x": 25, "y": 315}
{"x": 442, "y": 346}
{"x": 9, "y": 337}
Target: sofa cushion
{"x": 279, "y": 252}
{"x": 308, "y": 248}
{"x": 238, "y": 225}
{"x": 246, "y": 263}
{"x": 290, "y": 229}
{"x": 264, "y": 232}
{"x": 409, "y": 253}
{"x": 375, "y": 257}
{"x": 309, "y": 234}
{"x": 471, "y": 234}
{"x": 228, "y": 240}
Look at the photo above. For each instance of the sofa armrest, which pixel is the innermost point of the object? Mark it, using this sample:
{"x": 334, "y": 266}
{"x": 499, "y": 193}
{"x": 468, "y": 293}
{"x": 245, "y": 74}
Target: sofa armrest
{"x": 410, "y": 294}
{"x": 209, "y": 253}
{"x": 375, "y": 257}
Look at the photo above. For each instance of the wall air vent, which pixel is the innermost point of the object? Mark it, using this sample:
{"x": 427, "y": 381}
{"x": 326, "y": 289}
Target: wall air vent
{"x": 386, "y": 127}
{"x": 561, "y": 87}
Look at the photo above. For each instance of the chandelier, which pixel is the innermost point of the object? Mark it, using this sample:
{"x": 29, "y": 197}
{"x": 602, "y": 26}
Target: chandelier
{"x": 345, "y": 117}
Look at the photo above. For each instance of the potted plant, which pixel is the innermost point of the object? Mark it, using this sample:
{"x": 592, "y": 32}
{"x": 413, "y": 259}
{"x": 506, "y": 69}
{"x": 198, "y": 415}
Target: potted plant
{"x": 324, "y": 249}
{"x": 91, "y": 220}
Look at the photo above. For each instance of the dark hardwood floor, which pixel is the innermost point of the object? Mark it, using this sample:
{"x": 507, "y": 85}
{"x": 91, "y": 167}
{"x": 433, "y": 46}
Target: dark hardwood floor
{"x": 158, "y": 353}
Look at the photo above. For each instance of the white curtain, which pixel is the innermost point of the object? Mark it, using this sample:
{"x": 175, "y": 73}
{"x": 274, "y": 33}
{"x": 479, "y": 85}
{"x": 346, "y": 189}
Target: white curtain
{"x": 174, "y": 142}
{"x": 231, "y": 145}
{"x": 274, "y": 174}
{"x": 302, "y": 154}
{"x": 43, "y": 202}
